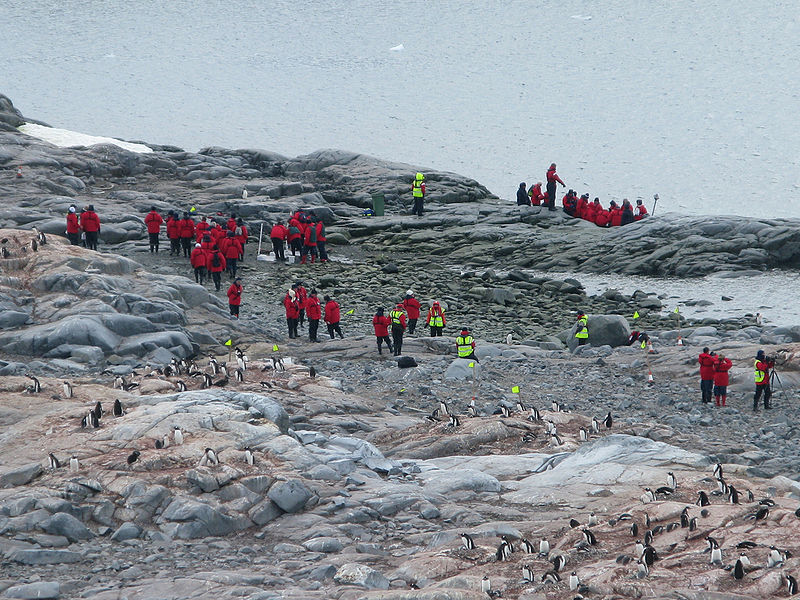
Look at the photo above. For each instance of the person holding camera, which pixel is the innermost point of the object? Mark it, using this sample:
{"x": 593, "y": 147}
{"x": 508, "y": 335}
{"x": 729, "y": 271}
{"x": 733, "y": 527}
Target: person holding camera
{"x": 721, "y": 367}
{"x": 706, "y": 360}
{"x": 762, "y": 367}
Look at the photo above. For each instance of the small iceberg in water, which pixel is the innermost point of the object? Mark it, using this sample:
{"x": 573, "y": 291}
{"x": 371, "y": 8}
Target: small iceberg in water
{"x": 398, "y": 48}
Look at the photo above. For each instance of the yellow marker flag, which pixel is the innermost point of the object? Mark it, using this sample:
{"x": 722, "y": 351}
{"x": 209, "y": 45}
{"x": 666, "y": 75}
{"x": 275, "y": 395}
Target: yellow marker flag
{"x": 677, "y": 311}
{"x": 229, "y": 343}
{"x": 351, "y": 311}
{"x": 636, "y": 314}
{"x": 274, "y": 347}
{"x": 471, "y": 365}
{"x": 515, "y": 389}
{"x": 193, "y": 209}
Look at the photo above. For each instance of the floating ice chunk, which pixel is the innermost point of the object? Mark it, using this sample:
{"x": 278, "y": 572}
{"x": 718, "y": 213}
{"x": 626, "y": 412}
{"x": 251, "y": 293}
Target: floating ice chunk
{"x": 398, "y": 48}
{"x": 66, "y": 138}
{"x": 582, "y": 17}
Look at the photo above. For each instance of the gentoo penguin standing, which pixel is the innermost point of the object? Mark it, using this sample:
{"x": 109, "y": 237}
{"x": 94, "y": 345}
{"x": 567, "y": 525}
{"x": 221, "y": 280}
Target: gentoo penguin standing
{"x": 738, "y": 570}
{"x": 718, "y": 471}
{"x": 527, "y": 546}
{"x": 209, "y": 458}
{"x": 207, "y": 381}
{"x": 133, "y": 457}
{"x": 471, "y": 412}
{"x": 443, "y": 409}
{"x": 716, "y": 556}
{"x": 555, "y": 440}
{"x": 589, "y": 537}
{"x": 648, "y": 496}
{"x": 692, "y": 523}
{"x": 608, "y": 421}
{"x": 454, "y": 421}
{"x": 775, "y": 557}
{"x": 671, "y": 481}
{"x": 67, "y": 389}
{"x": 733, "y": 494}
{"x": 702, "y": 499}
{"x": 92, "y": 416}
{"x": 117, "y": 408}
{"x": 86, "y": 421}
{"x": 534, "y": 416}
{"x": 118, "y": 382}
{"x": 74, "y": 465}
{"x": 467, "y": 541}
{"x": 53, "y": 461}
{"x": 638, "y": 549}
{"x": 791, "y": 585}
{"x": 248, "y": 457}
{"x": 573, "y": 581}
{"x": 649, "y": 555}
{"x": 504, "y": 410}
{"x": 98, "y": 410}
{"x": 244, "y": 194}
{"x": 177, "y": 435}
{"x": 212, "y": 362}
{"x": 241, "y": 362}
{"x": 744, "y": 560}
{"x": 520, "y": 407}
{"x": 555, "y": 406}
{"x": 634, "y": 529}
{"x": 643, "y": 570}
{"x": 239, "y": 375}
{"x": 165, "y": 441}
{"x": 592, "y": 520}
{"x": 544, "y": 547}
{"x": 486, "y": 584}
{"x": 181, "y": 385}
{"x": 503, "y": 551}
{"x": 595, "y": 425}
{"x": 36, "y": 387}
{"x": 583, "y": 435}
{"x": 527, "y": 573}
{"x": 559, "y": 562}
{"x": 508, "y": 541}
{"x": 685, "y": 517}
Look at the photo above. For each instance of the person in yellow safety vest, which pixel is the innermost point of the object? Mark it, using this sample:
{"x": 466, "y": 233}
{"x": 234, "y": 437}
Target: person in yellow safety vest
{"x": 398, "y": 318}
{"x": 436, "y": 320}
{"x": 582, "y": 329}
{"x": 762, "y": 366}
{"x": 465, "y": 345}
{"x": 418, "y": 191}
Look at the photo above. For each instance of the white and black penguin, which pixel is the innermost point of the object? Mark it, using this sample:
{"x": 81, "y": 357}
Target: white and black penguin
{"x": 467, "y": 541}
{"x": 544, "y": 547}
{"x": 36, "y": 387}
{"x": 74, "y": 464}
{"x": 648, "y": 537}
{"x": 527, "y": 573}
{"x": 685, "y": 517}
{"x": 649, "y": 555}
{"x": 207, "y": 381}
{"x": 634, "y": 529}
{"x": 648, "y": 496}
{"x": 534, "y": 416}
{"x": 738, "y": 570}
{"x": 693, "y": 524}
{"x": 671, "y": 481}
{"x": 159, "y": 444}
{"x": 555, "y": 406}
{"x": 551, "y": 577}
{"x": 444, "y": 410}
{"x": 249, "y": 458}
{"x": 212, "y": 362}
{"x": 574, "y": 582}
{"x": 583, "y": 434}
{"x": 716, "y": 556}
{"x": 66, "y": 388}
{"x": 181, "y": 385}
{"x": 503, "y": 552}
{"x": 791, "y": 585}
{"x": 510, "y": 543}
{"x": 702, "y": 499}
{"x": 95, "y": 422}
{"x": 733, "y": 494}
{"x": 595, "y": 424}
{"x": 589, "y": 537}
{"x": 117, "y": 411}
{"x": 642, "y": 569}
{"x": 718, "y": 471}
{"x": 53, "y": 462}
{"x": 775, "y": 557}
{"x": 486, "y": 584}
{"x": 209, "y": 458}
{"x": 743, "y": 558}
{"x": 559, "y": 562}
{"x": 133, "y": 457}
{"x": 239, "y": 375}
{"x": 454, "y": 421}
{"x": 118, "y": 382}
{"x": 592, "y": 520}
{"x": 638, "y": 548}
{"x": 520, "y": 407}
{"x": 555, "y": 439}
{"x": 177, "y": 435}
{"x": 98, "y": 410}
{"x": 526, "y": 546}
{"x": 504, "y": 410}
{"x": 85, "y": 421}
{"x": 608, "y": 421}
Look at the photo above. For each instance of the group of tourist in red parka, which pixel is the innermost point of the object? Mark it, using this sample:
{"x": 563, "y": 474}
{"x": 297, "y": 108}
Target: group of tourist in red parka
{"x": 305, "y": 235}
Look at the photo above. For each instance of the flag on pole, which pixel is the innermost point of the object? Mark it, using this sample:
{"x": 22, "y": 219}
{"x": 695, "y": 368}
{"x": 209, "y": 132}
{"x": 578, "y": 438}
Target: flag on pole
{"x": 515, "y": 389}
{"x": 193, "y": 209}
{"x": 229, "y": 343}
{"x": 351, "y": 311}
{"x": 471, "y": 365}
{"x": 274, "y": 347}
{"x": 636, "y": 314}
{"x": 677, "y": 312}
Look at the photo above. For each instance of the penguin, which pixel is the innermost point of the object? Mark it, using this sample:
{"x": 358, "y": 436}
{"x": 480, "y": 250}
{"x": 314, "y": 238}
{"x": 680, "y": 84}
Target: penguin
{"x": 239, "y": 375}
{"x": 733, "y": 494}
{"x": 665, "y": 491}
{"x": 747, "y": 544}
{"x": 93, "y": 419}
{"x": 133, "y": 457}
{"x": 555, "y": 439}
{"x": 744, "y": 560}
{"x": 685, "y": 517}
{"x": 527, "y": 573}
{"x": 169, "y": 371}
{"x": 503, "y": 552}
{"x": 723, "y": 487}
{"x": 117, "y": 410}
{"x": 209, "y": 458}
{"x": 702, "y": 499}
{"x": 638, "y": 548}
{"x": 467, "y": 541}
{"x": 486, "y": 584}
{"x": 671, "y": 481}
{"x": 775, "y": 557}
{"x": 608, "y": 421}
{"x": 556, "y": 407}
{"x": 623, "y": 559}
{"x": 551, "y": 577}
{"x": 589, "y": 537}
{"x": 625, "y": 517}
{"x": 242, "y": 363}
{"x": 648, "y": 496}
{"x": 559, "y": 562}
{"x": 207, "y": 381}
{"x": 642, "y": 569}
{"x": 85, "y": 421}
{"x": 504, "y": 411}
{"x": 634, "y": 529}
{"x": 718, "y": 471}
{"x": 212, "y": 362}
{"x": 53, "y": 462}
{"x": 738, "y": 570}
{"x": 791, "y": 585}
{"x": 583, "y": 435}
{"x": 673, "y": 526}
{"x": 177, "y": 435}
{"x": 592, "y": 520}
{"x": 312, "y": 372}
{"x": 544, "y": 547}
{"x": 34, "y": 245}
{"x": 118, "y": 382}
{"x": 223, "y": 370}
{"x": 647, "y": 520}
{"x": 693, "y": 524}
{"x": 766, "y": 502}
{"x": 159, "y": 444}
{"x": 649, "y": 555}
{"x": 508, "y": 541}
{"x": 527, "y": 546}
{"x": 716, "y": 556}
{"x": 193, "y": 369}
{"x": 574, "y": 523}
{"x": 36, "y": 387}
{"x": 266, "y": 384}
{"x": 520, "y": 407}
{"x": 244, "y": 194}
{"x": 534, "y": 416}
{"x": 74, "y": 465}
{"x": 573, "y": 581}
{"x": 248, "y": 457}
{"x": 471, "y": 412}
{"x": 454, "y": 421}
{"x": 67, "y": 389}
{"x": 181, "y": 385}
{"x": 98, "y": 410}
{"x": 595, "y": 425}
{"x": 761, "y": 514}
{"x": 657, "y": 529}
{"x": 165, "y": 441}
{"x": 648, "y": 537}
{"x": 549, "y": 426}
{"x": 443, "y": 409}
{"x": 712, "y": 543}
{"x": 127, "y": 387}
{"x": 222, "y": 382}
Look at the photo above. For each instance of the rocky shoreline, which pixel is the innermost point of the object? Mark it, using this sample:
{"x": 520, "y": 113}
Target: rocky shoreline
{"x": 356, "y": 490}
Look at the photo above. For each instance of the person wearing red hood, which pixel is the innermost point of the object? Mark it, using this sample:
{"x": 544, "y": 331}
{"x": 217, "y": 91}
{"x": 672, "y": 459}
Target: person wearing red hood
{"x": 201, "y": 229}
{"x": 616, "y": 214}
{"x": 398, "y": 318}
{"x": 153, "y": 220}
{"x": 199, "y": 260}
{"x": 332, "y": 316}
{"x": 232, "y": 222}
{"x": 231, "y": 248}
{"x": 314, "y": 314}
{"x": 295, "y": 236}
{"x": 641, "y": 210}
{"x": 241, "y": 236}
{"x": 536, "y": 194}
{"x": 215, "y": 266}
{"x": 381, "y": 325}
{"x": 552, "y": 178}
{"x": 582, "y": 212}
{"x": 90, "y": 223}
{"x": 706, "y": 361}
{"x": 436, "y": 320}
{"x": 235, "y": 297}
{"x": 73, "y": 227}
{"x": 174, "y": 233}
{"x": 721, "y": 367}
{"x": 602, "y": 217}
{"x": 292, "y": 312}
{"x": 411, "y": 306}
{"x": 186, "y": 230}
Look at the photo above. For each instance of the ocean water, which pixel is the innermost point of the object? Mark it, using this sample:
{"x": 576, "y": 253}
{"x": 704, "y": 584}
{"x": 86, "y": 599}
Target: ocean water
{"x": 695, "y": 101}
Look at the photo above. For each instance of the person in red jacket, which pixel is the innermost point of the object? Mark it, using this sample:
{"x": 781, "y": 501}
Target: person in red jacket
{"x": 552, "y": 178}
{"x": 641, "y": 211}
{"x": 381, "y": 325}
{"x": 215, "y": 266}
{"x": 321, "y": 239}
{"x": 583, "y": 208}
{"x": 174, "y": 233}
{"x": 332, "y": 316}
{"x": 73, "y": 226}
{"x": 706, "y": 361}
{"x": 398, "y": 318}
{"x": 721, "y": 367}
{"x": 314, "y": 314}
{"x": 241, "y": 235}
{"x": 278, "y": 235}
{"x": 535, "y": 194}
{"x": 201, "y": 229}
{"x": 186, "y": 230}
{"x": 231, "y": 248}
{"x": 411, "y": 305}
{"x": 616, "y": 214}
{"x": 436, "y": 320}
{"x": 309, "y": 243}
{"x": 232, "y": 222}
{"x": 295, "y": 236}
{"x": 292, "y": 312}
{"x": 199, "y": 260}
{"x": 235, "y": 297}
{"x": 153, "y": 220}
{"x": 90, "y": 223}
{"x": 302, "y": 296}
{"x": 602, "y": 217}
{"x": 207, "y": 242}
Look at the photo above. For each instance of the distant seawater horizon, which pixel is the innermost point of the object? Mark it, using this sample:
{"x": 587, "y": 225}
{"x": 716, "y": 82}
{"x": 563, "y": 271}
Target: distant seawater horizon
{"x": 688, "y": 100}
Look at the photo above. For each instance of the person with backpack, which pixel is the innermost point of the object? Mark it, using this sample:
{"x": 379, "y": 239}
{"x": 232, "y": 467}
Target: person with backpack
{"x": 309, "y": 244}
{"x": 314, "y": 314}
{"x": 231, "y": 249}
{"x": 201, "y": 229}
{"x": 235, "y": 297}
{"x": 186, "y": 230}
{"x": 302, "y": 296}
{"x": 215, "y": 266}
{"x": 295, "y": 236}
{"x": 90, "y": 223}
{"x": 241, "y": 236}
{"x": 153, "y": 221}
{"x": 381, "y": 325}
{"x": 199, "y": 260}
{"x": 412, "y": 308}
{"x": 173, "y": 234}
{"x": 721, "y": 379}
{"x": 321, "y": 239}
{"x": 73, "y": 226}
{"x": 292, "y": 308}
{"x": 333, "y": 316}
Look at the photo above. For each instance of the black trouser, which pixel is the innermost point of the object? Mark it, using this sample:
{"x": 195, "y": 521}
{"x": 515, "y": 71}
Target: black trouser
{"x": 397, "y": 338}
{"x": 323, "y": 254}
{"x": 277, "y": 249}
{"x": 551, "y": 195}
{"x": 175, "y": 246}
{"x": 186, "y": 244}
{"x": 217, "y": 276}
{"x": 417, "y": 209}
{"x": 582, "y": 341}
{"x": 766, "y": 391}
{"x": 302, "y": 319}
{"x": 292, "y": 324}
{"x": 153, "y": 242}
{"x": 230, "y": 266}
{"x": 313, "y": 325}
{"x": 297, "y": 246}
{"x": 335, "y": 327}
{"x": 200, "y": 275}
{"x": 706, "y": 389}
{"x": 91, "y": 240}
{"x": 74, "y": 238}
{"x": 309, "y": 250}
{"x": 384, "y": 338}
{"x": 412, "y": 325}
{"x": 234, "y": 309}
{"x": 436, "y": 331}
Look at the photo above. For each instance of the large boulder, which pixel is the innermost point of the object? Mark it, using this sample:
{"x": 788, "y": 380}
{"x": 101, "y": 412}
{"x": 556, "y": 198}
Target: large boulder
{"x": 604, "y": 330}
{"x": 20, "y": 476}
{"x": 68, "y": 526}
{"x": 460, "y": 369}
{"x": 291, "y": 496}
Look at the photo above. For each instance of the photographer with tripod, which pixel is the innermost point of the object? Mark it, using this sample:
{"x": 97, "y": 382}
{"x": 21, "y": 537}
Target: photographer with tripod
{"x": 763, "y": 365}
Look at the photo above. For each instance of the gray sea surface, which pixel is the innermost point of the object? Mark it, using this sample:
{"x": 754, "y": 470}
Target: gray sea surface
{"x": 696, "y": 101}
